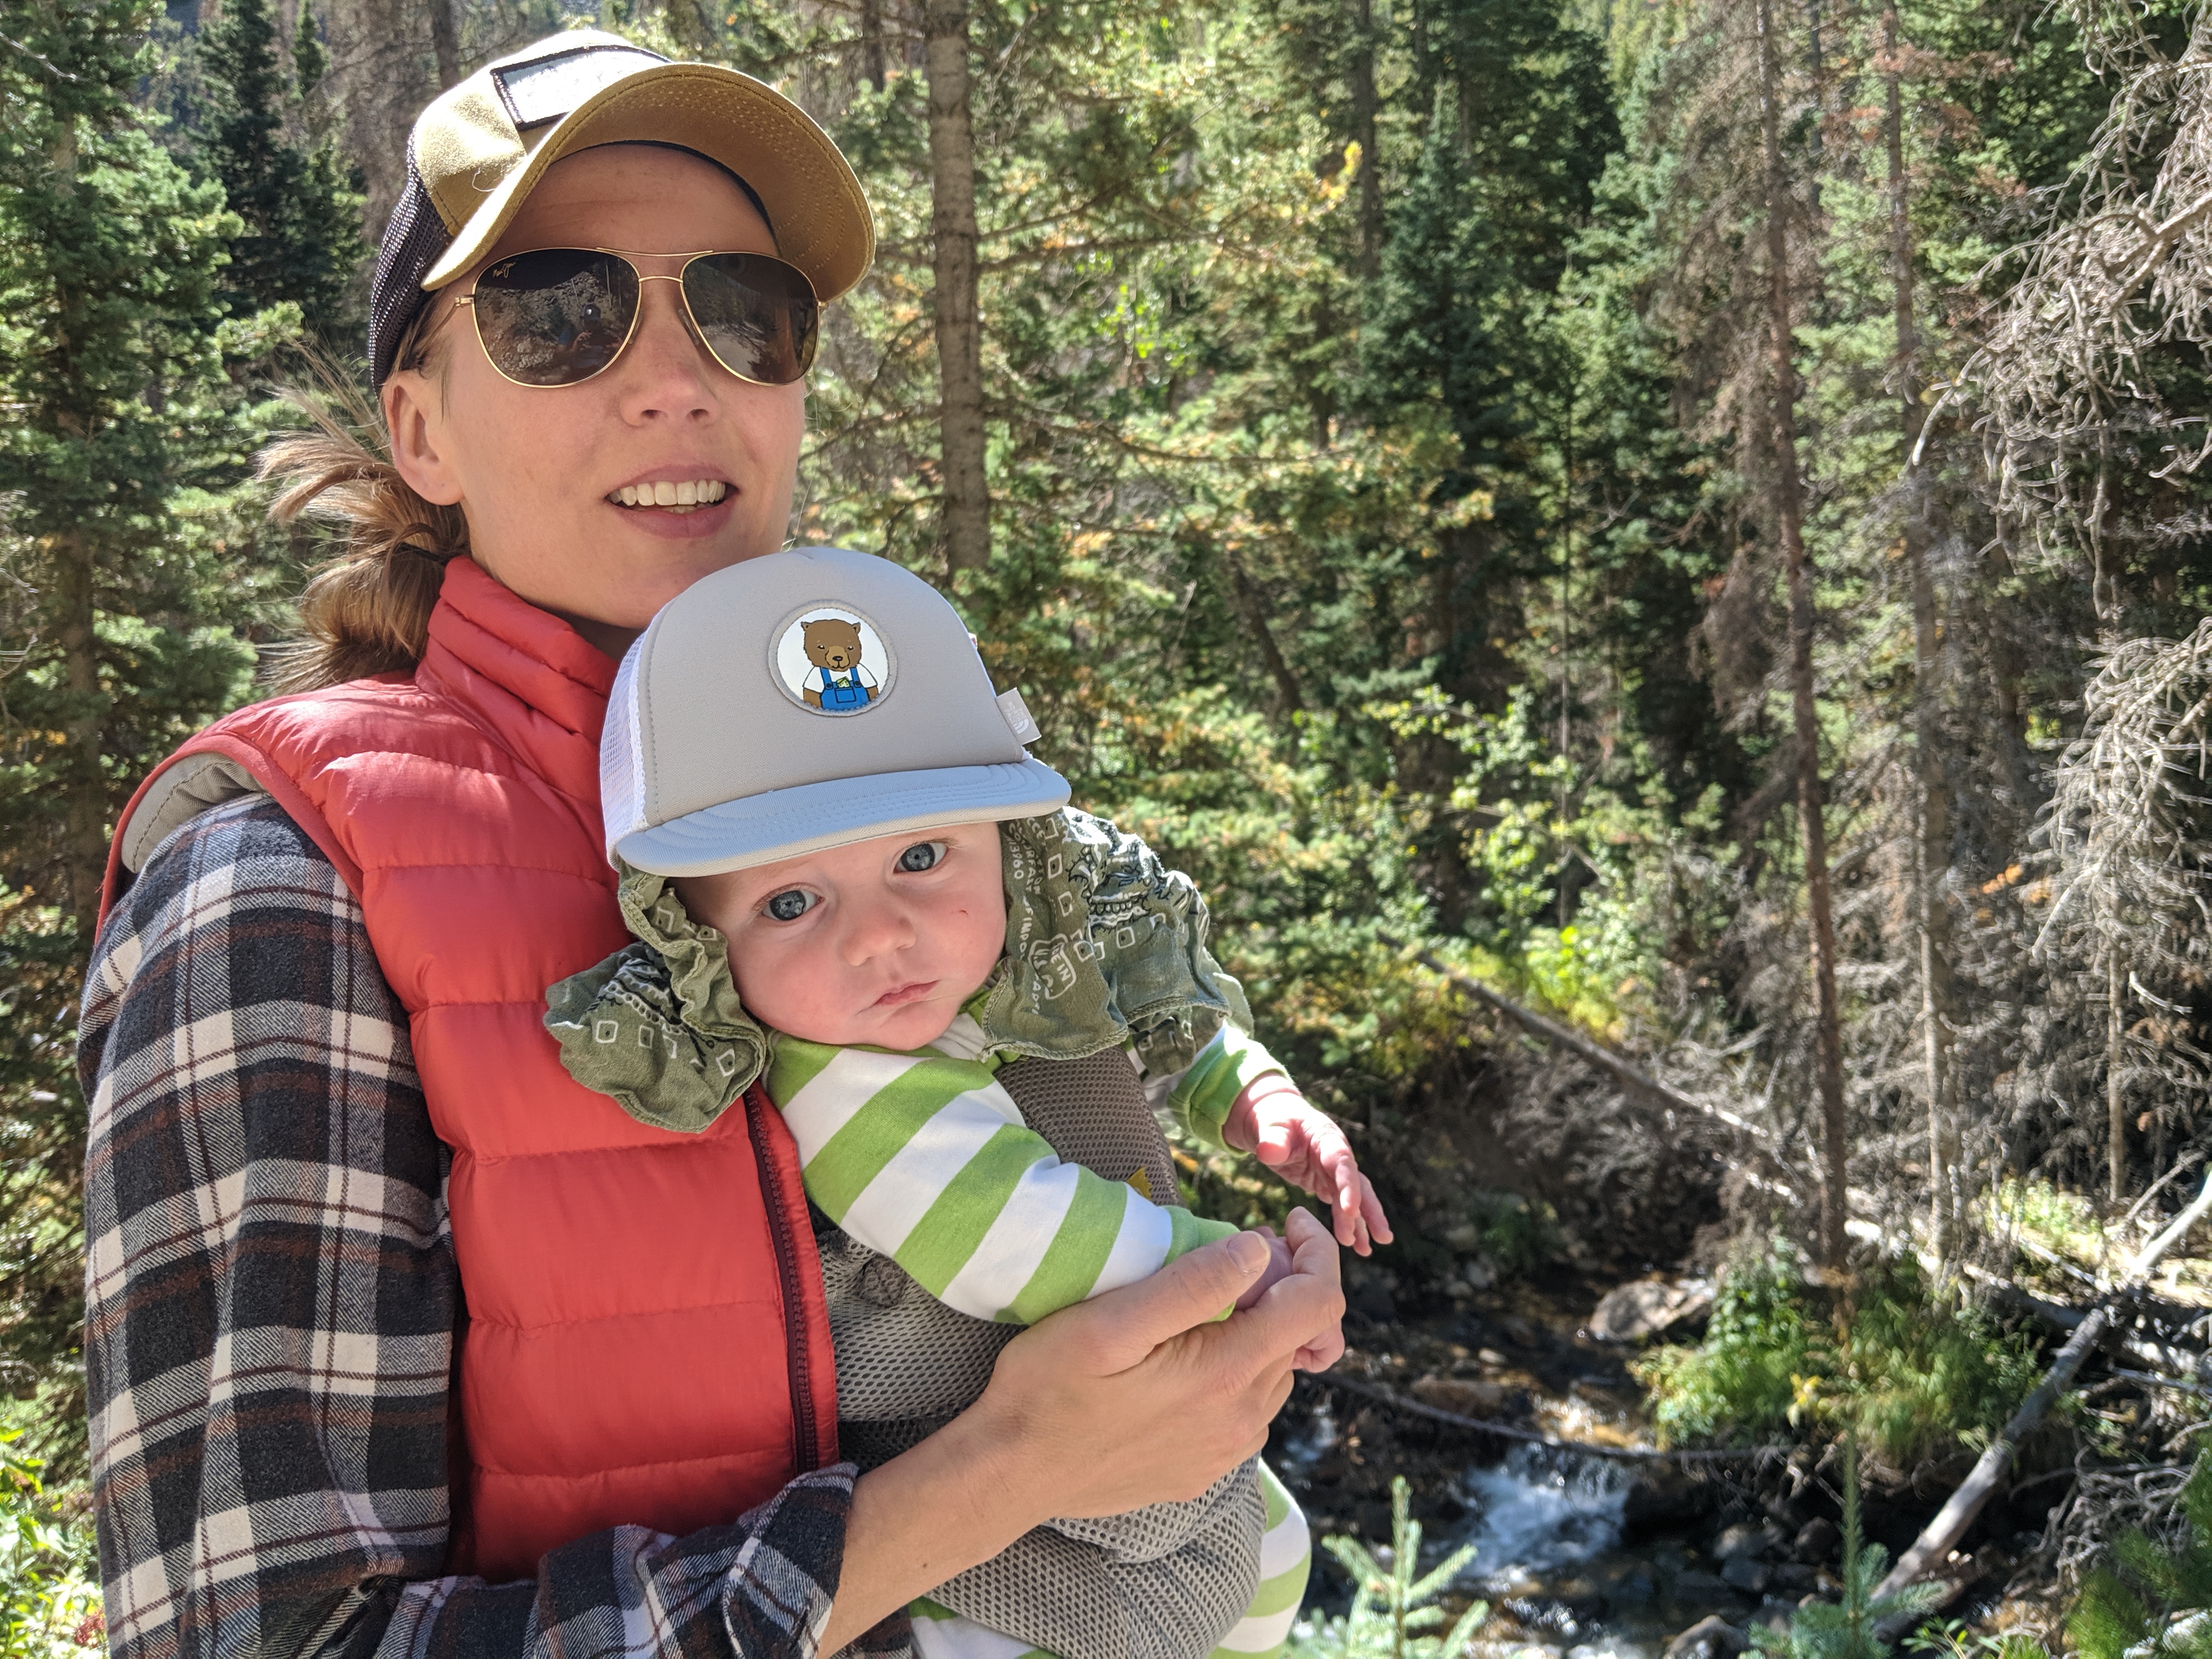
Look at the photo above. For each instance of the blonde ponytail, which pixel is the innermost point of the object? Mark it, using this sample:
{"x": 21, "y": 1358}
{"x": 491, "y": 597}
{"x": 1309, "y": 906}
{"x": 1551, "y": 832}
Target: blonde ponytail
{"x": 366, "y": 611}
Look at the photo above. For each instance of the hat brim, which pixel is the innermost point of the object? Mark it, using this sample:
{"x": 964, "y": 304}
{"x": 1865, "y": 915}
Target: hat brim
{"x": 814, "y": 204}
{"x": 783, "y": 823}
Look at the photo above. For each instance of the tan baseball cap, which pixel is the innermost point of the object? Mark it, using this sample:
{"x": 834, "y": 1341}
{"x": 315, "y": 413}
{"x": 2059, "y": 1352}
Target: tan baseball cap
{"x": 805, "y": 699}
{"x": 479, "y": 150}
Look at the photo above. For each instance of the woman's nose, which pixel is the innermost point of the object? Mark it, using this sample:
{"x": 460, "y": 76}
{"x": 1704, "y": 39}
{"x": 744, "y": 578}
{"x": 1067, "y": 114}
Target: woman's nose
{"x": 667, "y": 374}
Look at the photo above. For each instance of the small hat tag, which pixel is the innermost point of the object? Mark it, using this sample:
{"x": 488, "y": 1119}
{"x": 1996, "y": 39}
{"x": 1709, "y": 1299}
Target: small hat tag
{"x": 1017, "y": 717}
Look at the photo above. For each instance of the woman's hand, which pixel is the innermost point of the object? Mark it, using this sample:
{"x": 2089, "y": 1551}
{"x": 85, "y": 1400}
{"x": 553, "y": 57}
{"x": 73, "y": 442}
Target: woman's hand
{"x": 1139, "y": 1396}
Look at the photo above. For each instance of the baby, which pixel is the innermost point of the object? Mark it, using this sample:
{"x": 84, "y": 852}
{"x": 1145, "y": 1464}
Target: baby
{"x": 849, "y": 881}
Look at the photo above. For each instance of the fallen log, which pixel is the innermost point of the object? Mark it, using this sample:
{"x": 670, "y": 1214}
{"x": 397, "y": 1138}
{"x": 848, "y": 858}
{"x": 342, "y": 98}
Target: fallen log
{"x": 1941, "y": 1536}
{"x": 1633, "y": 1077}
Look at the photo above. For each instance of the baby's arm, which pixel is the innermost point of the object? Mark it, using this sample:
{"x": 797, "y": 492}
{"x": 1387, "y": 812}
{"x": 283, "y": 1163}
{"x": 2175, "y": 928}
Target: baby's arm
{"x": 1237, "y": 1095}
{"x": 927, "y": 1160}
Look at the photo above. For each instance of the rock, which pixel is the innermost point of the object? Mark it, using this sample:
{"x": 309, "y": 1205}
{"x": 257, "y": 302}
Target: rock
{"x": 1371, "y": 1299}
{"x": 1710, "y": 1637}
{"x": 1775, "y": 1615}
{"x": 1747, "y": 1573}
{"x": 1816, "y": 1542}
{"x": 1794, "y": 1577}
{"x": 1691, "y": 1584}
{"x": 1645, "y": 1307}
{"x": 1460, "y": 1396}
{"x": 1492, "y": 1357}
{"x": 1659, "y": 1495}
{"x": 1745, "y": 1539}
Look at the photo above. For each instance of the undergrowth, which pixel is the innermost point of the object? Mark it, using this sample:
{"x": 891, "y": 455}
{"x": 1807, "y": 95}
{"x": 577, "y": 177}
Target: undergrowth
{"x": 49, "y": 1589}
{"x": 2152, "y": 1596}
{"x": 1918, "y": 1375}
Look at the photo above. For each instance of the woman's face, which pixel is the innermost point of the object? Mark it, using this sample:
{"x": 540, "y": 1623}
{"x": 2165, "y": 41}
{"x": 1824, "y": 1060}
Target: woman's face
{"x": 535, "y": 469}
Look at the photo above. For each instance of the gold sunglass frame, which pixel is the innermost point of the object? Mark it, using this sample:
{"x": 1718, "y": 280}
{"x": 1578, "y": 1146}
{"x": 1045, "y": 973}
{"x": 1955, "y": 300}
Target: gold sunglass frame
{"x": 631, "y": 257}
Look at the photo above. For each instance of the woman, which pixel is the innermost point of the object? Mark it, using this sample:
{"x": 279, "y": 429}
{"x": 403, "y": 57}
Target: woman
{"x": 397, "y": 1339}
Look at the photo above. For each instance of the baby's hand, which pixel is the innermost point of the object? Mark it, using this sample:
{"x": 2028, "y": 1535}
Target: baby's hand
{"x": 1271, "y": 1120}
{"x": 1278, "y": 1269}
{"x": 1306, "y": 1248}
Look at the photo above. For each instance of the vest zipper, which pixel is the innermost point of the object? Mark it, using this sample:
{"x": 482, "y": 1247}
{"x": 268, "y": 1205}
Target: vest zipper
{"x": 803, "y": 1427}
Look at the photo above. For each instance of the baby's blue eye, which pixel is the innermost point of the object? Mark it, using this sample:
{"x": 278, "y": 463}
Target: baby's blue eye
{"x": 789, "y": 905}
{"x": 922, "y": 855}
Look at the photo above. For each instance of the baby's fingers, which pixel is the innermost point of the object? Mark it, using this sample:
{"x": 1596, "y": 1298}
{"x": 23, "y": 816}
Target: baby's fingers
{"x": 1371, "y": 1214}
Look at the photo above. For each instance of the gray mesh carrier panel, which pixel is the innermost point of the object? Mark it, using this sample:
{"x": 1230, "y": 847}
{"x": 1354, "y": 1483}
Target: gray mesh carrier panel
{"x": 1166, "y": 1582}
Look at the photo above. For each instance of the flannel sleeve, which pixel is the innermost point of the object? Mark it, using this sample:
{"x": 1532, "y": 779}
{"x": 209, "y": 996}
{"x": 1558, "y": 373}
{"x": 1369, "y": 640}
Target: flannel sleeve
{"x": 271, "y": 1300}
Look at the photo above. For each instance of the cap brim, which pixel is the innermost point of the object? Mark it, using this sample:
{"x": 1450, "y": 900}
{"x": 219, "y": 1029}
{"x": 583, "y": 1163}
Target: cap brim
{"x": 814, "y": 201}
{"x": 786, "y": 823}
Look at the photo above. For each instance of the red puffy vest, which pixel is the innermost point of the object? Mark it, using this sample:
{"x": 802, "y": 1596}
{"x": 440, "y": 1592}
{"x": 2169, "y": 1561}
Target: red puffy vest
{"x": 645, "y": 1338}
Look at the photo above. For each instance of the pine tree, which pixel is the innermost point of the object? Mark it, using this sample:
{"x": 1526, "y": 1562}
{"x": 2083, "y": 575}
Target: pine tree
{"x": 119, "y": 412}
{"x": 301, "y": 240}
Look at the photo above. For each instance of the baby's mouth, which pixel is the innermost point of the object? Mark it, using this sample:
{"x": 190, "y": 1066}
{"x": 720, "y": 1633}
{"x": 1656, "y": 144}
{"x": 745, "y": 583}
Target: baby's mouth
{"x": 669, "y": 496}
{"x": 906, "y": 994}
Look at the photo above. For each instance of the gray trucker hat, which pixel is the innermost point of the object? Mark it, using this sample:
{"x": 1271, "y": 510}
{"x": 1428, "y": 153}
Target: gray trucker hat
{"x": 809, "y": 699}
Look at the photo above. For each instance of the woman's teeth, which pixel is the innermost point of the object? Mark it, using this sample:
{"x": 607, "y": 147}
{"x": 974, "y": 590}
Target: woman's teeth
{"x": 686, "y": 497}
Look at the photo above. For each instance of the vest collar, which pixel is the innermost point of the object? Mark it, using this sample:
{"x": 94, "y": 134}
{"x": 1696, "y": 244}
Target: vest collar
{"x": 533, "y": 681}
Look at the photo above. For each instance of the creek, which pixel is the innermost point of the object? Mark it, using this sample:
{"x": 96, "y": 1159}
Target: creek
{"x": 1564, "y": 1572}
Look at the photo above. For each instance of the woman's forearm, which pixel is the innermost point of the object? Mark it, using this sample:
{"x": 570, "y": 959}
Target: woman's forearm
{"x": 951, "y": 1503}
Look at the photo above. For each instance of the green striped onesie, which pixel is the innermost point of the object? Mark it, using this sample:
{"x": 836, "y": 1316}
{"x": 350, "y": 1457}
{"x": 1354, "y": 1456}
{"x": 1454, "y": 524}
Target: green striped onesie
{"x": 924, "y": 1157}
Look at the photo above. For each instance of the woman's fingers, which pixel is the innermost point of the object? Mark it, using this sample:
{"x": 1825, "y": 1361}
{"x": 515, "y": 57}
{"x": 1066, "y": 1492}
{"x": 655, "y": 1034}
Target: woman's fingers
{"x": 1189, "y": 1291}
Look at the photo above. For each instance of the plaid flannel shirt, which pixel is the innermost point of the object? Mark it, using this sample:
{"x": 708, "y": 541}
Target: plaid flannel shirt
{"x": 270, "y": 1306}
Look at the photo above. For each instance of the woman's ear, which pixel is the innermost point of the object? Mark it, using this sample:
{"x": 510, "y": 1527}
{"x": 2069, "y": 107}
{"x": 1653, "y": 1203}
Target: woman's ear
{"x": 415, "y": 414}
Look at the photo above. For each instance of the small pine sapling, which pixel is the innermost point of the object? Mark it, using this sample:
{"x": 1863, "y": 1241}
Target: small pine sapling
{"x": 1852, "y": 1628}
{"x": 1389, "y": 1605}
{"x": 2153, "y": 1596}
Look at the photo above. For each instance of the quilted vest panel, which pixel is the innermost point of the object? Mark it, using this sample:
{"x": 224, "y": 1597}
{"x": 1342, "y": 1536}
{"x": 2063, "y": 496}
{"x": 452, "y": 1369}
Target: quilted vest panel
{"x": 646, "y": 1341}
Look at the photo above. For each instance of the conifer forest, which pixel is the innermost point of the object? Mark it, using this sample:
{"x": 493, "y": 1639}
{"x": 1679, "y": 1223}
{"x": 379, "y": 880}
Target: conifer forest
{"x": 1654, "y": 559}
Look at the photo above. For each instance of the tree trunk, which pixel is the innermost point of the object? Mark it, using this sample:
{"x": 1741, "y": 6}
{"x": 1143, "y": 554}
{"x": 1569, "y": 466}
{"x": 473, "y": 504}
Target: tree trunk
{"x": 2116, "y": 1106}
{"x": 1363, "y": 132}
{"x": 446, "y": 42}
{"x": 1934, "y": 852}
{"x": 383, "y": 70}
{"x": 872, "y": 42}
{"x": 85, "y": 836}
{"x": 967, "y": 510}
{"x": 71, "y": 558}
{"x": 1251, "y": 605}
{"x": 1789, "y": 511}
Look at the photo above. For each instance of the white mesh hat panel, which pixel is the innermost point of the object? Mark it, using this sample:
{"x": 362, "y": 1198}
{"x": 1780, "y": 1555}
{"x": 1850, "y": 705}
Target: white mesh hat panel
{"x": 621, "y": 754}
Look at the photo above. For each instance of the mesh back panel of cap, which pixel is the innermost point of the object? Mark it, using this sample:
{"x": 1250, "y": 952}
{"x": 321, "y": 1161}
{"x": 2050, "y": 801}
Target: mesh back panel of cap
{"x": 1165, "y": 1581}
{"x": 414, "y": 240}
{"x": 621, "y": 755}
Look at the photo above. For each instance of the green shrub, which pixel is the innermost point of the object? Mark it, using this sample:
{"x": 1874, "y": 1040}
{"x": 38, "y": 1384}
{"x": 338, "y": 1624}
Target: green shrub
{"x": 1918, "y": 1375}
{"x": 1390, "y": 1604}
{"x": 49, "y": 1592}
{"x": 2152, "y": 1594}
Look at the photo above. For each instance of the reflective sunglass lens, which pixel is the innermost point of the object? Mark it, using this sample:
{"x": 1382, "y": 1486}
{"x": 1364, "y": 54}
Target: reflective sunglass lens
{"x": 556, "y": 316}
{"x": 757, "y": 315}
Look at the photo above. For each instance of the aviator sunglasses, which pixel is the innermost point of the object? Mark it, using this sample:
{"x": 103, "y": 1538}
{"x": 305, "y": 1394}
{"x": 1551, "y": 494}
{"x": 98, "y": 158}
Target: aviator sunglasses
{"x": 557, "y": 316}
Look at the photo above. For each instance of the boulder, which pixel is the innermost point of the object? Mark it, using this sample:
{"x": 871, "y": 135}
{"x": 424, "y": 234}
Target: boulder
{"x": 1747, "y": 1573}
{"x": 1745, "y": 1539}
{"x": 1460, "y": 1396}
{"x": 1710, "y": 1637}
{"x": 1816, "y": 1542}
{"x": 1646, "y": 1307}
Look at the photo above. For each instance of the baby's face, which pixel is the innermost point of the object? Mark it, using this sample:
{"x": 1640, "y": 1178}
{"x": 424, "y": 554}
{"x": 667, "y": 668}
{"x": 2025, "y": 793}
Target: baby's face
{"x": 879, "y": 943}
